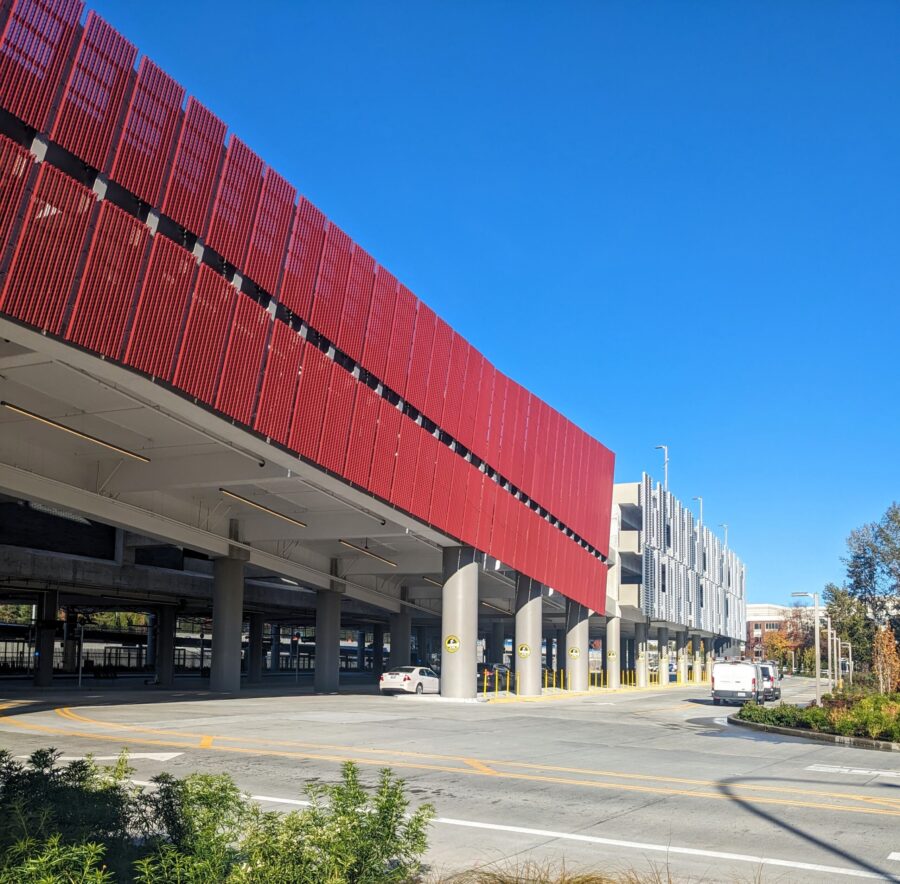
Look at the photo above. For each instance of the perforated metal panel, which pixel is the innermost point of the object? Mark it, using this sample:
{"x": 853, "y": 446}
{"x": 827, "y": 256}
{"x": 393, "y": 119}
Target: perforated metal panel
{"x": 34, "y": 50}
{"x": 234, "y": 207}
{"x": 439, "y": 513}
{"x": 355, "y": 312}
{"x": 437, "y": 371}
{"x": 363, "y": 427}
{"x": 309, "y": 412}
{"x": 377, "y": 341}
{"x": 189, "y": 189}
{"x": 279, "y": 387}
{"x": 404, "y": 478}
{"x": 420, "y": 356}
{"x": 161, "y": 308}
{"x": 95, "y": 93}
{"x": 16, "y": 164}
{"x": 301, "y": 264}
{"x": 40, "y": 278}
{"x": 396, "y": 370}
{"x": 142, "y": 154}
{"x": 109, "y": 283}
{"x": 202, "y": 348}
{"x": 270, "y": 231}
{"x": 331, "y": 285}
{"x": 423, "y": 487}
{"x": 384, "y": 452}
{"x": 470, "y": 393}
{"x": 242, "y": 369}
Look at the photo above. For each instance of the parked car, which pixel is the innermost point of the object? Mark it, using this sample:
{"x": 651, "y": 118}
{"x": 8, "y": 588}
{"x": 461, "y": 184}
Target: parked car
{"x": 410, "y": 680}
{"x": 737, "y": 681}
{"x": 772, "y": 689}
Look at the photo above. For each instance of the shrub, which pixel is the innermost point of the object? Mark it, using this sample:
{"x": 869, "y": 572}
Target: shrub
{"x": 33, "y": 862}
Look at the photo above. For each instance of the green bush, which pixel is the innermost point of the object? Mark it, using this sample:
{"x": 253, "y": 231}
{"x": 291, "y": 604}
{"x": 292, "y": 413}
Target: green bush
{"x": 87, "y": 824}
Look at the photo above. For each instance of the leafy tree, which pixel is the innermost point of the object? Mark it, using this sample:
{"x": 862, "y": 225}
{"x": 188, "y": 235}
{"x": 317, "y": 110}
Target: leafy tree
{"x": 15, "y": 613}
{"x": 873, "y": 567}
{"x": 777, "y": 645}
{"x": 851, "y": 622}
{"x": 886, "y": 661}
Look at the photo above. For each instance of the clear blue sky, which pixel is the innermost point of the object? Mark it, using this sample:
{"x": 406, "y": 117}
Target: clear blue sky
{"x": 676, "y": 222}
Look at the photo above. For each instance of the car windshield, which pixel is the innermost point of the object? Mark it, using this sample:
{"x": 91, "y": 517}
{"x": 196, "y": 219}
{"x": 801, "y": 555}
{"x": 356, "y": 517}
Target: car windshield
{"x": 402, "y": 669}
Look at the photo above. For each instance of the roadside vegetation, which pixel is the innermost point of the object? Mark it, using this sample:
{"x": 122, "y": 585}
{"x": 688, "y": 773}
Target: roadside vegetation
{"x": 80, "y": 822}
{"x": 858, "y": 712}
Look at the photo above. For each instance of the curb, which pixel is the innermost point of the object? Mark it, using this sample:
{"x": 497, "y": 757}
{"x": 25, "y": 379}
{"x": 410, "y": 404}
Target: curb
{"x": 817, "y": 736}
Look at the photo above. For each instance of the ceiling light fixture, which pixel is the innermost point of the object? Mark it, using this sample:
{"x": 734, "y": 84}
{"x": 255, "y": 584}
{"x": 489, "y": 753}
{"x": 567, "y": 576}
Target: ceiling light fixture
{"x": 86, "y": 436}
{"x": 495, "y": 608}
{"x": 432, "y": 582}
{"x": 264, "y": 509}
{"x": 367, "y": 552}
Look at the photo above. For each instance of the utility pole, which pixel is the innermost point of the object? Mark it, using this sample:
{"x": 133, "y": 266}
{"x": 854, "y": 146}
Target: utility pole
{"x": 818, "y": 649}
{"x": 665, "y": 451}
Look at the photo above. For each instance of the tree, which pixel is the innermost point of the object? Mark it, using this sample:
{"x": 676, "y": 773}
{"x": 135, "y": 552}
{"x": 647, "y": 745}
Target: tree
{"x": 777, "y": 645}
{"x": 885, "y": 660}
{"x": 850, "y": 621}
{"x": 873, "y": 567}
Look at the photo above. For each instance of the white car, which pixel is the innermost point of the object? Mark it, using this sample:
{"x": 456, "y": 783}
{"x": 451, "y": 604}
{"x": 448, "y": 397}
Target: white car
{"x": 410, "y": 680}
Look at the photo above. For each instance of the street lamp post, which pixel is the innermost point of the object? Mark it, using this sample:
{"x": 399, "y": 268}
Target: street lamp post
{"x": 815, "y": 597}
{"x": 849, "y": 660}
{"x": 665, "y": 451}
{"x": 830, "y": 652}
{"x": 725, "y": 526}
{"x": 700, "y": 501}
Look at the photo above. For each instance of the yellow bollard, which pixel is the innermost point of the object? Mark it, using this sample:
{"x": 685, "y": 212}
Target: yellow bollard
{"x": 507, "y": 681}
{"x": 517, "y": 684}
{"x": 545, "y": 679}
{"x": 484, "y": 689}
{"x": 496, "y": 684}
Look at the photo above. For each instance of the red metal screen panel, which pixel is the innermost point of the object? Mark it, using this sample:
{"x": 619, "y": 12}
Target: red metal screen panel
{"x": 235, "y": 203}
{"x": 437, "y": 372}
{"x": 109, "y": 283}
{"x": 500, "y": 546}
{"x": 34, "y": 49}
{"x": 338, "y": 413}
{"x": 270, "y": 231}
{"x": 301, "y": 265}
{"x": 486, "y": 515}
{"x": 405, "y": 469}
{"x": 439, "y": 502}
{"x": 203, "y": 342}
{"x": 426, "y": 463}
{"x": 279, "y": 387}
{"x": 455, "y": 386}
{"x": 498, "y": 420}
{"x": 190, "y": 186}
{"x": 363, "y": 427}
{"x": 94, "y": 93}
{"x": 331, "y": 285}
{"x": 509, "y": 441}
{"x": 309, "y": 412}
{"x": 468, "y": 528}
{"x": 15, "y": 164}
{"x": 396, "y": 370}
{"x": 161, "y": 307}
{"x": 355, "y": 311}
{"x": 482, "y": 429}
{"x": 530, "y": 446}
{"x": 420, "y": 357}
{"x": 457, "y": 515}
{"x": 42, "y": 271}
{"x": 149, "y": 131}
{"x": 242, "y": 368}
{"x": 470, "y": 385}
{"x": 384, "y": 452}
{"x": 376, "y": 347}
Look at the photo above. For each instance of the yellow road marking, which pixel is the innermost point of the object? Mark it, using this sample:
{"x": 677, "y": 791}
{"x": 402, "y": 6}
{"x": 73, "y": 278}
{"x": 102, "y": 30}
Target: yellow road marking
{"x": 206, "y": 742}
{"x": 347, "y": 754}
{"x": 480, "y": 766}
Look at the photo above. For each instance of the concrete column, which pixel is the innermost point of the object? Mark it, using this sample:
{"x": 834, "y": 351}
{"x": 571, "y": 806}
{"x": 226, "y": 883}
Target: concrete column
{"x": 611, "y": 647}
{"x": 326, "y": 677}
{"x": 662, "y": 642}
{"x": 275, "y": 643}
{"x": 70, "y": 645}
{"x": 45, "y": 640}
{"x": 577, "y": 642}
{"x": 641, "y": 663}
{"x": 497, "y": 645}
{"x": 400, "y": 638}
{"x": 256, "y": 655}
{"x": 698, "y": 659}
{"x": 165, "y": 647}
{"x": 681, "y": 652}
{"x": 527, "y": 646}
{"x": 227, "y": 624}
{"x": 361, "y": 650}
{"x": 150, "y": 659}
{"x": 459, "y": 623}
{"x": 377, "y": 650}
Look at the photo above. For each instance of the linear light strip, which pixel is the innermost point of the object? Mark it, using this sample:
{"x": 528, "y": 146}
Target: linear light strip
{"x": 263, "y": 509}
{"x": 368, "y": 552}
{"x": 432, "y": 582}
{"x": 73, "y": 432}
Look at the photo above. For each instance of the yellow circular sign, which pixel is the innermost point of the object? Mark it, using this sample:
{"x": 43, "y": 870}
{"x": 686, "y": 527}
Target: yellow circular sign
{"x": 451, "y": 643}
{"x": 611, "y": 654}
{"x": 523, "y": 651}
{"x": 574, "y": 653}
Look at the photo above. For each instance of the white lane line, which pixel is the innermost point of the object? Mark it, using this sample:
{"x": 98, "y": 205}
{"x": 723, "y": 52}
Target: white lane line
{"x": 295, "y": 801}
{"x": 864, "y": 771}
{"x": 670, "y": 849}
{"x": 895, "y": 855}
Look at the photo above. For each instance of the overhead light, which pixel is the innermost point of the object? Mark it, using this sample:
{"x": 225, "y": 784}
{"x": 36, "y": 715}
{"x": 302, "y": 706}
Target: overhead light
{"x": 262, "y": 508}
{"x": 367, "y": 552}
{"x": 432, "y": 582}
{"x": 86, "y": 436}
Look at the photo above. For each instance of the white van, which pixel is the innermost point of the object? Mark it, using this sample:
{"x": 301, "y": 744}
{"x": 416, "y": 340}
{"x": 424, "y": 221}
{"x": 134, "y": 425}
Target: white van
{"x": 737, "y": 681}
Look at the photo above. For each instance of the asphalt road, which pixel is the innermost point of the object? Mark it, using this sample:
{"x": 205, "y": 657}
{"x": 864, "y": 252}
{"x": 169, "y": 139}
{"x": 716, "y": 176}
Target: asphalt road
{"x": 613, "y": 781}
